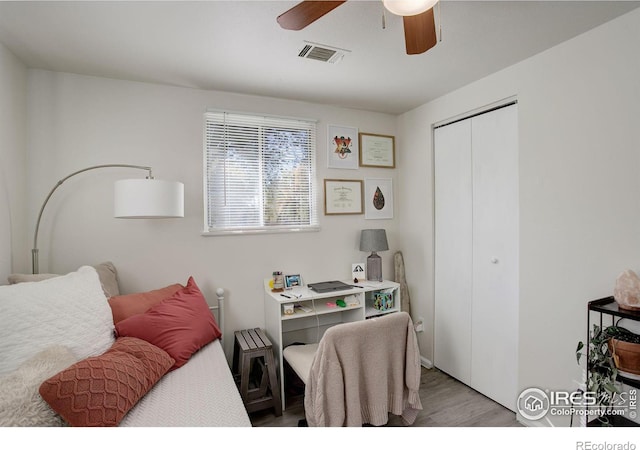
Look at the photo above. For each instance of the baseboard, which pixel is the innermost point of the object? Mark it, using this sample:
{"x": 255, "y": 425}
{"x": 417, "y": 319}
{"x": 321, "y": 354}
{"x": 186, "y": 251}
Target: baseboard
{"x": 424, "y": 362}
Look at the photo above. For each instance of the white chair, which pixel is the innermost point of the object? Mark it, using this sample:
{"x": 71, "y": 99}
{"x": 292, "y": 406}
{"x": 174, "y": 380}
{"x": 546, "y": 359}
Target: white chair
{"x": 300, "y": 358}
{"x": 359, "y": 372}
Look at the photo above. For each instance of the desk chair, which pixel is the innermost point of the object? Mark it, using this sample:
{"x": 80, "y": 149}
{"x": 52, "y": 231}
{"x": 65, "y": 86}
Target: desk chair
{"x": 360, "y": 372}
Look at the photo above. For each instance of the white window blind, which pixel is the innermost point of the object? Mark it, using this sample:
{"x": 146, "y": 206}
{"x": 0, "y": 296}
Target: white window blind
{"x": 259, "y": 173}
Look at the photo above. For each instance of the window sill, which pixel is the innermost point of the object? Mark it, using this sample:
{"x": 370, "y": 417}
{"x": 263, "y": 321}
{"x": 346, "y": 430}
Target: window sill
{"x": 260, "y": 231}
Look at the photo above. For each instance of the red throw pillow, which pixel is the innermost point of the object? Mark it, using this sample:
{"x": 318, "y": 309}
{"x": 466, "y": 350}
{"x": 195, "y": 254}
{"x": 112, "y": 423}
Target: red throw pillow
{"x": 180, "y": 324}
{"x": 124, "y": 306}
{"x": 100, "y": 390}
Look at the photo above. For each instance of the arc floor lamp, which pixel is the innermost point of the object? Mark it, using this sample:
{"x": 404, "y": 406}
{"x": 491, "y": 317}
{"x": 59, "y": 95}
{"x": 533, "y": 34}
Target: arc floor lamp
{"x": 133, "y": 199}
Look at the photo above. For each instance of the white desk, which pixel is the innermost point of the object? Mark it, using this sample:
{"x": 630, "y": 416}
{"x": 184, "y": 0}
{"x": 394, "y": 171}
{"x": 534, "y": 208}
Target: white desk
{"x": 308, "y": 326}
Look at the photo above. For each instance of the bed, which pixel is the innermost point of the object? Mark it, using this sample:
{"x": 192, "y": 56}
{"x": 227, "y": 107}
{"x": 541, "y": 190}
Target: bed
{"x": 62, "y": 364}
{"x": 202, "y": 393}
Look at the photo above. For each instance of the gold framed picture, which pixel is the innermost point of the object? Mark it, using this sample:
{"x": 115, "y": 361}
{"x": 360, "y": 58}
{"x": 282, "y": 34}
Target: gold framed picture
{"x": 343, "y": 197}
{"x": 377, "y": 150}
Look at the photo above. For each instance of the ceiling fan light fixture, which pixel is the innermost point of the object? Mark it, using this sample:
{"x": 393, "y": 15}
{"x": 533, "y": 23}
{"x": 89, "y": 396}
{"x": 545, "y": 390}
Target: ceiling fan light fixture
{"x": 408, "y": 7}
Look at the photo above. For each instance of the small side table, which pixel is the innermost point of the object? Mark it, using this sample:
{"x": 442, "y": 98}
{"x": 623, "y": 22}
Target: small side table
{"x": 252, "y": 347}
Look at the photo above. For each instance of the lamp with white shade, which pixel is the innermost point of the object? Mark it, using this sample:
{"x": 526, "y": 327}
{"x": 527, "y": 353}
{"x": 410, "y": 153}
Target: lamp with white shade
{"x": 374, "y": 240}
{"x": 135, "y": 199}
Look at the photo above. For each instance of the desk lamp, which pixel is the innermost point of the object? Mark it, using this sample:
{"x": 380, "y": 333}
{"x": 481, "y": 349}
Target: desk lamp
{"x": 374, "y": 241}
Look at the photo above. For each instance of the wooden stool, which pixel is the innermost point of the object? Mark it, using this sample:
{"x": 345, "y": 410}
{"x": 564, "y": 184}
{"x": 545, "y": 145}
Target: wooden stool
{"x": 250, "y": 347}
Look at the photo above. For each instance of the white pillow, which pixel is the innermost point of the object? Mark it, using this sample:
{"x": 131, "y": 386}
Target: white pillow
{"x": 21, "y": 405}
{"x": 69, "y": 310}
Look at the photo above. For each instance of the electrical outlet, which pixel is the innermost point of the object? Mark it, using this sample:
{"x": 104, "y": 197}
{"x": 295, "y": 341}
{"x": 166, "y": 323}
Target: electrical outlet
{"x": 419, "y": 325}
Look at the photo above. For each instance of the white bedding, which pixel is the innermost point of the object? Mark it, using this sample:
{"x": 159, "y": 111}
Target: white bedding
{"x": 69, "y": 310}
{"x": 202, "y": 393}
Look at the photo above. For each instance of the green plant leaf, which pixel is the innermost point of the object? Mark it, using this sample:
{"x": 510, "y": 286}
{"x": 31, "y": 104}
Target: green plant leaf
{"x": 602, "y": 372}
{"x": 578, "y": 353}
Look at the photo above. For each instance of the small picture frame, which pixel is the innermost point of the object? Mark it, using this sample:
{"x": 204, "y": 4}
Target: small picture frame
{"x": 342, "y": 147}
{"x": 378, "y": 198}
{"x": 358, "y": 272}
{"x": 377, "y": 150}
{"x": 291, "y": 281}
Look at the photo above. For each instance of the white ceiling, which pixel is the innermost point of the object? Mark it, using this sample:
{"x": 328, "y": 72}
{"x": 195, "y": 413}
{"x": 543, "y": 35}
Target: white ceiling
{"x": 237, "y": 46}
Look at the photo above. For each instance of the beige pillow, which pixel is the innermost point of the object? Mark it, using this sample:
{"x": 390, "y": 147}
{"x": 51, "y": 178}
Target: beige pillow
{"x": 106, "y": 272}
{"x": 20, "y": 402}
{"x": 16, "y": 278}
{"x": 108, "y": 278}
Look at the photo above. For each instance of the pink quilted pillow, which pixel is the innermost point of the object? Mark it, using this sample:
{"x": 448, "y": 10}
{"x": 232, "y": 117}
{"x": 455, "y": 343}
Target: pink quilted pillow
{"x": 180, "y": 324}
{"x": 100, "y": 390}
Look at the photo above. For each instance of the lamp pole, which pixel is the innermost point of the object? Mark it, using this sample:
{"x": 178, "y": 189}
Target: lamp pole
{"x": 34, "y": 251}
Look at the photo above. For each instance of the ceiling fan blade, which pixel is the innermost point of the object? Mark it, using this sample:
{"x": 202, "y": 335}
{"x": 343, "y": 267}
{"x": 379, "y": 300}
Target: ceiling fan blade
{"x": 305, "y": 13}
{"x": 420, "y": 32}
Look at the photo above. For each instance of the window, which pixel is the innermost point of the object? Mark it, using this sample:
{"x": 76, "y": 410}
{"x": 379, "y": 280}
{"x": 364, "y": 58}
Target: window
{"x": 259, "y": 173}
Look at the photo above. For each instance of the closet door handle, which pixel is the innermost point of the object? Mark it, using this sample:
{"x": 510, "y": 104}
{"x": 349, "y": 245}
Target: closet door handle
{"x": 494, "y": 260}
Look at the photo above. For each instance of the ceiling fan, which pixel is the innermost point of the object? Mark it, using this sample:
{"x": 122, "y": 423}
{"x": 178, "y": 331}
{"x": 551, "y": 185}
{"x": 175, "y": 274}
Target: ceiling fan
{"x": 417, "y": 15}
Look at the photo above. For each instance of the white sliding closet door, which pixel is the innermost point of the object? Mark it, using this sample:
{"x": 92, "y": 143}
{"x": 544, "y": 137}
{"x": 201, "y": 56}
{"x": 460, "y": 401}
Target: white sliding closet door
{"x": 453, "y": 250}
{"x": 476, "y": 252}
{"x": 494, "y": 338}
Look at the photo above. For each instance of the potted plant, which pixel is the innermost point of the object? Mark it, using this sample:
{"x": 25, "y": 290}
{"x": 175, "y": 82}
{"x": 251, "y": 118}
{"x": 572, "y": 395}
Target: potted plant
{"x": 608, "y": 354}
{"x": 624, "y": 346}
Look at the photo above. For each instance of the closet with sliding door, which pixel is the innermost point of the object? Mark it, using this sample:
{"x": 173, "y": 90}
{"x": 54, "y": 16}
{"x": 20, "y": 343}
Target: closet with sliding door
{"x": 476, "y": 251}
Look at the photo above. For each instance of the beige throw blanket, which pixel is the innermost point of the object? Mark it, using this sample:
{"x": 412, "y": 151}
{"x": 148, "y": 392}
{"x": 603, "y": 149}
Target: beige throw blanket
{"x": 363, "y": 371}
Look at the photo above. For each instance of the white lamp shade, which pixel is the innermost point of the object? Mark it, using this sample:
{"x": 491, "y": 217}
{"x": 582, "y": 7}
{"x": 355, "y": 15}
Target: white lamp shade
{"x": 408, "y": 7}
{"x": 148, "y": 198}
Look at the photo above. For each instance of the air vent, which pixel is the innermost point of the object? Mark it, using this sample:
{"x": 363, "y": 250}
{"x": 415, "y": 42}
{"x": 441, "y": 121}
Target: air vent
{"x": 321, "y": 52}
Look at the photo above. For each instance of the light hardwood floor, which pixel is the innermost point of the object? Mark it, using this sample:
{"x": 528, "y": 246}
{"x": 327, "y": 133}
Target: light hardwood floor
{"x": 446, "y": 403}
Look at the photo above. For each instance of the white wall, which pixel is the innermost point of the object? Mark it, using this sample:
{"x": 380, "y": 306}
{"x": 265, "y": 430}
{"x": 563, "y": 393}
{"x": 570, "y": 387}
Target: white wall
{"x": 78, "y": 121}
{"x": 13, "y": 104}
{"x": 579, "y": 106}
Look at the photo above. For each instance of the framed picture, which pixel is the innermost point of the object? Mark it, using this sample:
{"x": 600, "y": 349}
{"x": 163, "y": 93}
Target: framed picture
{"x": 378, "y": 198}
{"x": 342, "y": 147}
{"x": 342, "y": 197}
{"x": 358, "y": 272}
{"x": 377, "y": 150}
{"x": 292, "y": 281}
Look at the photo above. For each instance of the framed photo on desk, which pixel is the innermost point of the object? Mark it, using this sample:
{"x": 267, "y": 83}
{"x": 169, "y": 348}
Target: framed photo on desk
{"x": 292, "y": 281}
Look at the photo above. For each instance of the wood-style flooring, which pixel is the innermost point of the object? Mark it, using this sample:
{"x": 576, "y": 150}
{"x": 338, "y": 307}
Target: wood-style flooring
{"x": 446, "y": 403}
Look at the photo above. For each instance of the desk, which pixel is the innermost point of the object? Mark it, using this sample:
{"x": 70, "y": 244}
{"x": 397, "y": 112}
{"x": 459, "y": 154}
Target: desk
{"x": 315, "y": 312}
